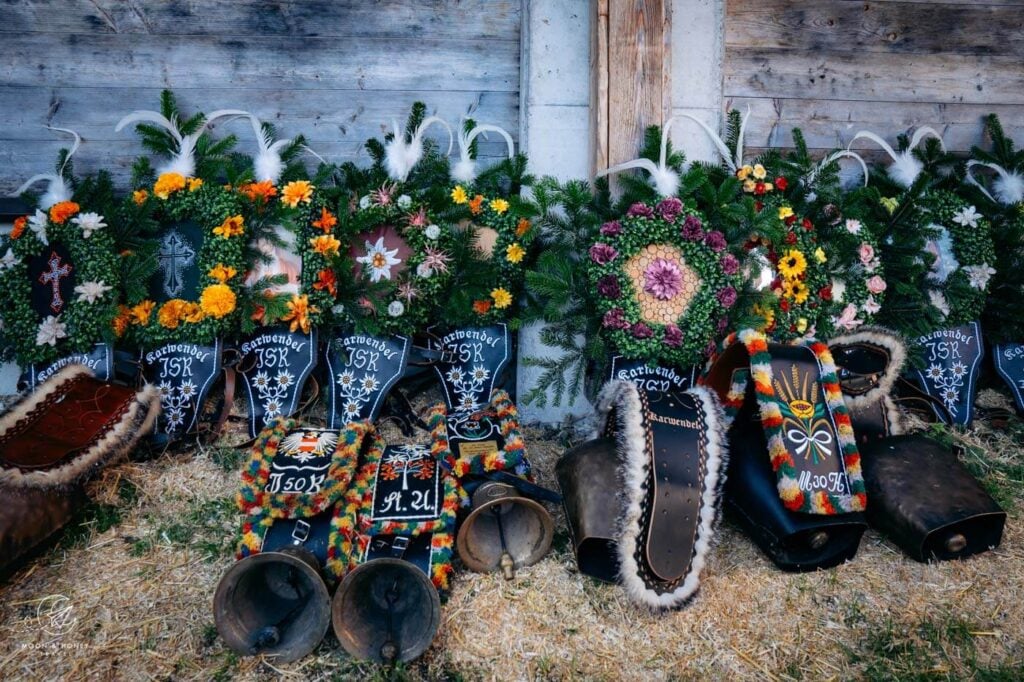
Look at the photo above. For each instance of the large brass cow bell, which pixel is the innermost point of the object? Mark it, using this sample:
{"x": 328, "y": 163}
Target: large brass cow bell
{"x": 503, "y": 531}
{"x": 386, "y": 611}
{"x": 274, "y": 604}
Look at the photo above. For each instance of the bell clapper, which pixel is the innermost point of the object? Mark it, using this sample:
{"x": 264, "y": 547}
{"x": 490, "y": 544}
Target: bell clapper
{"x": 270, "y": 636}
{"x": 956, "y": 543}
{"x": 507, "y": 563}
{"x": 389, "y": 650}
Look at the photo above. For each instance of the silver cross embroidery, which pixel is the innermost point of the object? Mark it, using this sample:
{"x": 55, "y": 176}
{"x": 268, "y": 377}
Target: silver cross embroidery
{"x": 53, "y": 277}
{"x": 175, "y": 255}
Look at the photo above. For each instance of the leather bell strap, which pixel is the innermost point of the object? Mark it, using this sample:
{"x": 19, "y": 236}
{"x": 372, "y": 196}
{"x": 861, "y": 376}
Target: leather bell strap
{"x": 99, "y": 361}
{"x": 472, "y": 363}
{"x": 184, "y": 374}
{"x": 298, "y": 474}
{"x": 868, "y": 364}
{"x": 73, "y": 424}
{"x": 810, "y": 437}
{"x": 361, "y": 371}
{"x": 274, "y": 368}
{"x": 672, "y": 456}
{"x": 400, "y": 491}
{"x": 952, "y": 363}
{"x": 1009, "y": 362}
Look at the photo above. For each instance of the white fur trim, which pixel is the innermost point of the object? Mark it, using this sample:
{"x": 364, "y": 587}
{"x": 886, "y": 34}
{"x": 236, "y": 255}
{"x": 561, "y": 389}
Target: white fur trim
{"x": 136, "y": 422}
{"x": 633, "y": 476}
{"x": 897, "y": 348}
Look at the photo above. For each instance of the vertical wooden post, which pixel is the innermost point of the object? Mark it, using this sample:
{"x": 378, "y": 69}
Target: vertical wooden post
{"x": 630, "y": 75}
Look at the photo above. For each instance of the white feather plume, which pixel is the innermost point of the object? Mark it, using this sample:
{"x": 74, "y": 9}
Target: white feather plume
{"x": 1008, "y": 187}
{"x": 183, "y": 161}
{"x": 267, "y": 165}
{"x": 664, "y": 179}
{"x": 904, "y": 169}
{"x": 57, "y": 189}
{"x": 835, "y": 156}
{"x": 400, "y": 156}
{"x": 733, "y": 163}
{"x": 465, "y": 168}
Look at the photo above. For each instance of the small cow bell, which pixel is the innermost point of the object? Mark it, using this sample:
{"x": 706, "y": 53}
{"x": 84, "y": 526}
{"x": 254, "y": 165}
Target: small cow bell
{"x": 386, "y": 611}
{"x": 503, "y": 531}
{"x": 274, "y": 603}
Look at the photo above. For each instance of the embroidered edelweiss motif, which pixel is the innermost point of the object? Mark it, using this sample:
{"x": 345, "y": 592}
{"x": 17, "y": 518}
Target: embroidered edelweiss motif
{"x": 380, "y": 259}
{"x": 356, "y": 392}
{"x": 272, "y": 392}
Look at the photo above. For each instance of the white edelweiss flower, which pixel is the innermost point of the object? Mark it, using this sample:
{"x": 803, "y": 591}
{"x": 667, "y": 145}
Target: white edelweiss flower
{"x": 364, "y": 202}
{"x": 979, "y": 275}
{"x": 853, "y": 226}
{"x": 432, "y": 231}
{"x": 455, "y": 375}
{"x": 396, "y": 308}
{"x": 404, "y": 201}
{"x": 8, "y": 261}
{"x": 37, "y": 223}
{"x": 936, "y": 298}
{"x": 425, "y": 271}
{"x": 50, "y": 330}
{"x": 959, "y": 369}
{"x": 90, "y": 292}
{"x": 379, "y": 259}
{"x": 968, "y": 217}
{"x": 89, "y": 222}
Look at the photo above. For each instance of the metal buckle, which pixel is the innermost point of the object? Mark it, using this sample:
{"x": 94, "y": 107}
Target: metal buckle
{"x": 398, "y": 546}
{"x": 300, "y": 533}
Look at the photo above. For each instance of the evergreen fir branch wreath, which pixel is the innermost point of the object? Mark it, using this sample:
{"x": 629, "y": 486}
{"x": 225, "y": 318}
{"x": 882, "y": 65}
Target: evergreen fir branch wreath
{"x": 71, "y": 255}
{"x": 190, "y": 210}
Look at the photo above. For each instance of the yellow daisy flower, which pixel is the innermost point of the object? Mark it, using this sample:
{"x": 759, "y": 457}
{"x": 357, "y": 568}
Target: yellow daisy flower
{"x": 514, "y": 253}
{"x": 459, "y": 195}
{"x": 297, "y": 192}
{"x": 792, "y": 264}
{"x": 499, "y": 205}
{"x": 785, "y": 212}
{"x": 502, "y": 299}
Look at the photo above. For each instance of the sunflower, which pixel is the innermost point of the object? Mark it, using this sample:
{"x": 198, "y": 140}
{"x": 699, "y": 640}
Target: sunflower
{"x": 222, "y": 273}
{"x": 792, "y": 264}
{"x": 767, "y": 313}
{"x": 217, "y": 300}
{"x": 296, "y": 192}
{"x": 514, "y": 253}
{"x": 326, "y": 221}
{"x": 298, "y": 314}
{"x": 60, "y": 212}
{"x": 231, "y": 227}
{"x": 502, "y": 299}
{"x": 168, "y": 183}
{"x": 795, "y": 290}
{"x": 459, "y": 195}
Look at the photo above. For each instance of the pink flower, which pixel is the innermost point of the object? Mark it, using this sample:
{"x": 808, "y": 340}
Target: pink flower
{"x": 727, "y": 297}
{"x": 876, "y": 285}
{"x": 663, "y": 279}
{"x": 866, "y": 253}
{"x": 602, "y": 254}
{"x": 670, "y": 208}
{"x": 608, "y": 286}
{"x": 615, "y": 319}
{"x": 642, "y": 331}
{"x": 722, "y": 325}
{"x": 871, "y": 306}
{"x": 715, "y": 240}
{"x": 730, "y": 264}
{"x": 611, "y": 229}
{"x": 640, "y": 209}
{"x": 436, "y": 259}
{"x": 692, "y": 229}
{"x": 848, "y": 318}
{"x": 673, "y": 336}
{"x": 853, "y": 226}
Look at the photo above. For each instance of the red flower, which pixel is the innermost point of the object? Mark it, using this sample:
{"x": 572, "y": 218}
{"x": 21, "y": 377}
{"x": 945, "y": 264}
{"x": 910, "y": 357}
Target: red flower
{"x": 790, "y": 219}
{"x": 784, "y": 304}
{"x": 326, "y": 280}
{"x": 759, "y": 189}
{"x": 791, "y": 237}
{"x": 808, "y": 225}
{"x": 481, "y": 307}
{"x": 781, "y": 183}
{"x": 758, "y": 206}
{"x": 825, "y": 293}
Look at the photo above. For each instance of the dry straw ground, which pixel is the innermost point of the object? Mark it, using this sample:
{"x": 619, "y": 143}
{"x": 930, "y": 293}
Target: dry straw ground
{"x": 139, "y": 570}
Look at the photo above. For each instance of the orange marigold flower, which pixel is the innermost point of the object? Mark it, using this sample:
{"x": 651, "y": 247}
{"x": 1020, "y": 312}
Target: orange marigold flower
{"x": 19, "y": 227}
{"x": 60, "y": 212}
{"x": 140, "y": 313}
{"x": 326, "y": 222}
{"x": 325, "y": 245}
{"x": 168, "y": 183}
{"x": 217, "y": 300}
{"x": 298, "y": 314}
{"x": 296, "y": 192}
{"x": 120, "y": 321}
{"x": 231, "y": 227}
{"x": 326, "y": 280}
{"x": 171, "y": 313}
{"x": 193, "y": 313}
{"x": 139, "y": 196}
{"x": 481, "y": 307}
{"x": 476, "y": 204}
{"x": 222, "y": 273}
{"x": 522, "y": 227}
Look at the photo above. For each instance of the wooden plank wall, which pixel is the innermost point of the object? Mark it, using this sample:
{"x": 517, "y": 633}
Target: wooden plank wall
{"x": 835, "y": 67}
{"x": 336, "y": 71}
